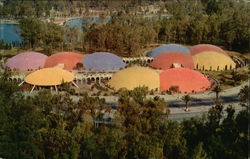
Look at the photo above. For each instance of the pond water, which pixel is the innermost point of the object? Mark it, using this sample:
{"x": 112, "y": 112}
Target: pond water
{"x": 80, "y": 23}
{"x": 10, "y": 34}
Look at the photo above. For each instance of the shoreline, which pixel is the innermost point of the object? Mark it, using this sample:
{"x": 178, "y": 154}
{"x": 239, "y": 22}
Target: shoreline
{"x": 8, "y": 21}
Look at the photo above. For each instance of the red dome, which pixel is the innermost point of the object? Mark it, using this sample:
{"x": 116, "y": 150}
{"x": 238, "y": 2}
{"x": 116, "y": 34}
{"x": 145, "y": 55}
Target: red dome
{"x": 188, "y": 80}
{"x": 68, "y": 59}
{"x": 167, "y": 60}
{"x": 196, "y": 49}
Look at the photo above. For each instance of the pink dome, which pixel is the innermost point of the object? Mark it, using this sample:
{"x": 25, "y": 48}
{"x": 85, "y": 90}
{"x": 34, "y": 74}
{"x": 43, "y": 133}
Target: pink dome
{"x": 26, "y": 61}
{"x": 196, "y": 49}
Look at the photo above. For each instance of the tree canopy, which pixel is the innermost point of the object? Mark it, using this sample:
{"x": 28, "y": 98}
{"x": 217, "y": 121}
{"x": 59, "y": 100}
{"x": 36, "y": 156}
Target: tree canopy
{"x": 47, "y": 125}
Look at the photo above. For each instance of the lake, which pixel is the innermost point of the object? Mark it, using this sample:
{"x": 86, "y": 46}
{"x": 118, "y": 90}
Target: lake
{"x": 10, "y": 34}
{"x": 79, "y": 23}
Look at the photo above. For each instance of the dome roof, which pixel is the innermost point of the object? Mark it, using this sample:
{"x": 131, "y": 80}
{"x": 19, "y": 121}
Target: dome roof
{"x": 69, "y": 60}
{"x": 167, "y": 60}
{"x": 210, "y": 60}
{"x": 188, "y": 80}
{"x": 133, "y": 77}
{"x": 103, "y": 61}
{"x": 26, "y": 61}
{"x": 168, "y": 48}
{"x": 196, "y": 49}
{"x": 49, "y": 77}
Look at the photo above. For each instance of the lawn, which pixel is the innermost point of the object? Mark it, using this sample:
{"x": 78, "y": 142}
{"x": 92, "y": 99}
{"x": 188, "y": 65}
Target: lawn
{"x": 226, "y": 77}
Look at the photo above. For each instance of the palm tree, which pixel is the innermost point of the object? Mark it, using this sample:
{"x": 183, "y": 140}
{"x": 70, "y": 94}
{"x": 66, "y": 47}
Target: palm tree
{"x": 186, "y": 99}
{"x": 235, "y": 77}
{"x": 217, "y": 91}
{"x": 244, "y": 95}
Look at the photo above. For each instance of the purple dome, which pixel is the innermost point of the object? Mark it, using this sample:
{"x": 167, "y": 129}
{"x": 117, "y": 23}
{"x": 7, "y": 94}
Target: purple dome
{"x": 102, "y": 61}
{"x": 168, "y": 48}
{"x": 26, "y": 61}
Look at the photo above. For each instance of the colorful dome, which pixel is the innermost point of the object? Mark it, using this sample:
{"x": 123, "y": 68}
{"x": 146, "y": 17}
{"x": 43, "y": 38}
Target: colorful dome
{"x": 49, "y": 77}
{"x": 172, "y": 59}
{"x": 210, "y": 60}
{"x": 196, "y": 49}
{"x": 133, "y": 77}
{"x": 67, "y": 60}
{"x": 168, "y": 48}
{"x": 26, "y": 61}
{"x": 103, "y": 61}
{"x": 187, "y": 80}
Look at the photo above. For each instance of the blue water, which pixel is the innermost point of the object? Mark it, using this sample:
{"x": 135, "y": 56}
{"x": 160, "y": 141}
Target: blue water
{"x": 80, "y": 23}
{"x": 10, "y": 33}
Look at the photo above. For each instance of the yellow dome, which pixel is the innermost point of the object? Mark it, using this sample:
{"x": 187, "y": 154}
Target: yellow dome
{"x": 210, "y": 60}
{"x": 134, "y": 77}
{"x": 49, "y": 77}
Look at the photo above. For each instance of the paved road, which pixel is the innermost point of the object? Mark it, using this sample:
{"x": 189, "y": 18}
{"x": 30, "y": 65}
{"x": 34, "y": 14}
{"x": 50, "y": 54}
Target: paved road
{"x": 200, "y": 104}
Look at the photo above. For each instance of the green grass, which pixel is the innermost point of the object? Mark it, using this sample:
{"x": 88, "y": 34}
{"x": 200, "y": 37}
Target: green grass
{"x": 241, "y": 55}
{"x": 225, "y": 77}
{"x": 9, "y": 53}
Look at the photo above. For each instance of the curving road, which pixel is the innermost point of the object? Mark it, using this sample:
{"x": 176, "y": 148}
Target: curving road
{"x": 198, "y": 106}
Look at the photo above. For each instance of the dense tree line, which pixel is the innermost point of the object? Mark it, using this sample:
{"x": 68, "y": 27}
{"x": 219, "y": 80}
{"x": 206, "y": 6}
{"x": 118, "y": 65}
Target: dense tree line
{"x": 49, "y": 125}
{"x": 27, "y": 8}
{"x": 124, "y": 36}
{"x": 41, "y": 33}
{"x": 223, "y": 23}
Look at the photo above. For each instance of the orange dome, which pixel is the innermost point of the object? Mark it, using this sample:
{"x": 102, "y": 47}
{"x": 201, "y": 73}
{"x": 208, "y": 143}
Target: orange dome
{"x": 49, "y": 77}
{"x": 68, "y": 60}
{"x": 167, "y": 60}
{"x": 187, "y": 80}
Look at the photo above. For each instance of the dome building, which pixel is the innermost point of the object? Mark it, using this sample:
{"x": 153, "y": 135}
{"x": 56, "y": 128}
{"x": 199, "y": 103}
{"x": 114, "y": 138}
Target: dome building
{"x": 26, "y": 61}
{"x": 133, "y": 77}
{"x": 103, "y": 61}
{"x": 196, "y": 49}
{"x": 65, "y": 60}
{"x": 171, "y": 60}
{"x": 168, "y": 48}
{"x": 49, "y": 77}
{"x": 187, "y": 80}
{"x": 210, "y": 60}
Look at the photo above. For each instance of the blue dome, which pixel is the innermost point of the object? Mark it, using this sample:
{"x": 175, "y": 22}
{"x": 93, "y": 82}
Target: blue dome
{"x": 102, "y": 61}
{"x": 168, "y": 48}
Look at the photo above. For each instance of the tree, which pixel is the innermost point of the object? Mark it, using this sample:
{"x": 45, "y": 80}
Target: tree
{"x": 174, "y": 89}
{"x": 236, "y": 77}
{"x": 244, "y": 95}
{"x": 53, "y": 36}
{"x": 199, "y": 152}
{"x": 186, "y": 99}
{"x": 139, "y": 94}
{"x": 31, "y": 31}
{"x": 142, "y": 119}
{"x": 123, "y": 35}
{"x": 217, "y": 89}
{"x": 38, "y": 33}
{"x": 174, "y": 141}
